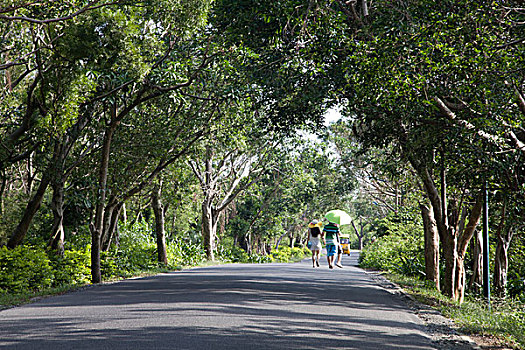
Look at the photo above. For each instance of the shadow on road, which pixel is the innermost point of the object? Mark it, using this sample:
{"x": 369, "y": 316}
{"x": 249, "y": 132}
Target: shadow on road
{"x": 274, "y": 306}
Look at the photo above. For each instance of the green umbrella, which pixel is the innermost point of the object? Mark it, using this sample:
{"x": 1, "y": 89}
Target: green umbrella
{"x": 338, "y": 216}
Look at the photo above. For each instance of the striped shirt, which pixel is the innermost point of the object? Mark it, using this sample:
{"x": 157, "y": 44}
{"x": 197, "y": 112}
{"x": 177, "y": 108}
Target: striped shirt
{"x": 331, "y": 232}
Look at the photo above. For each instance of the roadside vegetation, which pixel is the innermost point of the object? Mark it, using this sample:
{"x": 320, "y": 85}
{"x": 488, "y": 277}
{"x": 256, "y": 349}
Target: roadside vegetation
{"x": 144, "y": 135}
{"x": 32, "y": 271}
{"x": 399, "y": 253}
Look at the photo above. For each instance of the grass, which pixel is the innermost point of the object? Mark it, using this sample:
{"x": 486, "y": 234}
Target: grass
{"x": 503, "y": 320}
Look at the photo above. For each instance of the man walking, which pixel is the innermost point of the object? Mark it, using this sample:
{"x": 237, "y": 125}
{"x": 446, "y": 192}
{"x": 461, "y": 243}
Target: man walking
{"x": 331, "y": 241}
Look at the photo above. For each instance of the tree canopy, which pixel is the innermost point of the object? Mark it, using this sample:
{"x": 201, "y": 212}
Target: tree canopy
{"x": 212, "y": 113}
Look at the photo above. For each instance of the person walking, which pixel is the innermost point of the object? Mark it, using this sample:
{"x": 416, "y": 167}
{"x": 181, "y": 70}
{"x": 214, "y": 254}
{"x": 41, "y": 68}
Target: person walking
{"x": 339, "y": 252}
{"x": 330, "y": 239}
{"x": 314, "y": 237}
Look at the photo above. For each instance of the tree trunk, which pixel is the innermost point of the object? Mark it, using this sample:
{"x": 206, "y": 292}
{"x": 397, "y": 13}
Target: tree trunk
{"x": 359, "y": 234}
{"x": 109, "y": 211}
{"x": 361, "y": 237}
{"x": 56, "y": 242}
{"x": 451, "y": 259}
{"x": 249, "y": 240}
{"x": 98, "y": 226}
{"x": 53, "y": 174}
{"x": 501, "y": 258}
{"x": 431, "y": 245}
{"x": 209, "y": 229}
{"x": 459, "y": 287}
{"x": 463, "y": 241}
{"x": 3, "y": 177}
{"x": 29, "y": 213}
{"x": 476, "y": 281}
{"x": 160, "y": 234}
{"x": 292, "y": 238}
{"x": 501, "y": 261}
{"x": 111, "y": 225}
{"x": 447, "y": 223}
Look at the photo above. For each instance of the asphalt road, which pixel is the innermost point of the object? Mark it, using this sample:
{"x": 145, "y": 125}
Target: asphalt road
{"x": 237, "y": 306}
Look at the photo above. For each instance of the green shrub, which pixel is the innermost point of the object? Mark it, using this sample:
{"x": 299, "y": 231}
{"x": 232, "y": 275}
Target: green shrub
{"x": 504, "y": 320}
{"x": 109, "y": 267}
{"x": 137, "y": 252}
{"x": 129, "y": 260}
{"x": 260, "y": 259}
{"x": 282, "y": 254}
{"x": 297, "y": 253}
{"x": 287, "y": 254}
{"x": 24, "y": 269}
{"x": 71, "y": 269}
{"x": 399, "y": 250}
{"x": 184, "y": 253}
{"x": 234, "y": 254}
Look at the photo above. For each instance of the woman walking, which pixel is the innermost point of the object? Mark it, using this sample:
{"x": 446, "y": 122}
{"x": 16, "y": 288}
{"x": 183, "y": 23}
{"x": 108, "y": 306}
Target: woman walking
{"x": 314, "y": 237}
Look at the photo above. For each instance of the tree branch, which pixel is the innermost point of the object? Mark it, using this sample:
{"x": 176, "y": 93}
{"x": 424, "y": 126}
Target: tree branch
{"x": 453, "y": 118}
{"x": 91, "y": 6}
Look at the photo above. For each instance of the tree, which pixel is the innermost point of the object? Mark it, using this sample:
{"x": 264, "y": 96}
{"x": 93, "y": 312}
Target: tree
{"x": 410, "y": 86}
{"x": 226, "y": 170}
{"x": 160, "y": 233}
{"x": 119, "y": 63}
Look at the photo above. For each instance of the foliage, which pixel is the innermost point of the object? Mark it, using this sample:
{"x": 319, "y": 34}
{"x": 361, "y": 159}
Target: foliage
{"x": 505, "y": 319}
{"x": 238, "y": 255}
{"x": 72, "y": 268}
{"x": 137, "y": 252}
{"x": 516, "y": 275}
{"x": 31, "y": 269}
{"x": 24, "y": 269}
{"x": 287, "y": 254}
{"x": 398, "y": 249}
{"x": 185, "y": 253}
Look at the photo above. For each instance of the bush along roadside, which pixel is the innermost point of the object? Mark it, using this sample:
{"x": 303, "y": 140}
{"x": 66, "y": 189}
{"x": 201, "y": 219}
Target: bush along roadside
{"x": 31, "y": 271}
{"x": 503, "y": 321}
{"x": 399, "y": 253}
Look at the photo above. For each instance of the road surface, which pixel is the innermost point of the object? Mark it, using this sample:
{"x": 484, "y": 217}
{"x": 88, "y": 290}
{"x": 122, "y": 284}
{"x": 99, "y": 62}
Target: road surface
{"x": 236, "y": 306}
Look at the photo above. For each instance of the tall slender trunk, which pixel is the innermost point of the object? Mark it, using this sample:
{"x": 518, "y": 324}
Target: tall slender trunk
{"x": 431, "y": 245}
{"x": 501, "y": 263}
{"x": 111, "y": 217}
{"x": 464, "y": 238}
{"x": 501, "y": 259}
{"x": 160, "y": 234}
{"x": 56, "y": 242}
{"x": 29, "y": 213}
{"x": 3, "y": 185}
{"x": 292, "y": 238}
{"x": 249, "y": 240}
{"x": 451, "y": 259}
{"x": 359, "y": 234}
{"x": 98, "y": 225}
{"x": 209, "y": 229}
{"x": 459, "y": 287}
{"x": 105, "y": 234}
{"x": 476, "y": 281}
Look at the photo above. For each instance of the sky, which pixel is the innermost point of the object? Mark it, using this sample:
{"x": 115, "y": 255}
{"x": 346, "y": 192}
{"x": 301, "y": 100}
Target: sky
{"x": 332, "y": 115}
